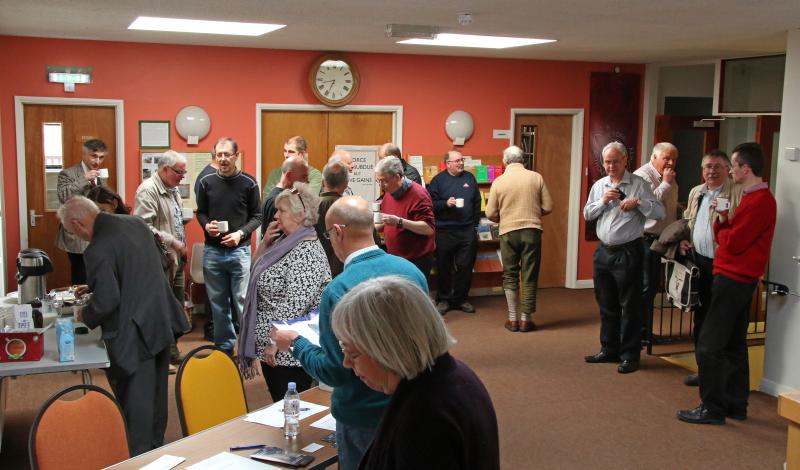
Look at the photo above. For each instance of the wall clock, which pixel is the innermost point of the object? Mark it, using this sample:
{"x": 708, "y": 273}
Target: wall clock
{"x": 334, "y": 80}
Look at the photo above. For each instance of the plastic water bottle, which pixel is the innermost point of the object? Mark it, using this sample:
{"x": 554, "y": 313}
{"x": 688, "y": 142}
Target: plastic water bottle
{"x": 291, "y": 412}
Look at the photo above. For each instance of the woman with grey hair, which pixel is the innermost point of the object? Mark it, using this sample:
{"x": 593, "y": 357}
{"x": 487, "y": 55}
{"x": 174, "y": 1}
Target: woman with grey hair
{"x": 440, "y": 414}
{"x": 286, "y": 282}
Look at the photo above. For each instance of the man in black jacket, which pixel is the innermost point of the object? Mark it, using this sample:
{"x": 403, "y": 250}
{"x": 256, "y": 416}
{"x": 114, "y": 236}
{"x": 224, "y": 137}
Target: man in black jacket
{"x": 133, "y": 303}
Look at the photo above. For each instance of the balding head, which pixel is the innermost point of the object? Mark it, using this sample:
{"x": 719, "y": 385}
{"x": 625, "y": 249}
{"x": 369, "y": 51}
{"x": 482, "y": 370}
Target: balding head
{"x": 77, "y": 215}
{"x": 353, "y": 211}
{"x": 344, "y": 157}
{"x": 390, "y": 150}
{"x": 294, "y": 169}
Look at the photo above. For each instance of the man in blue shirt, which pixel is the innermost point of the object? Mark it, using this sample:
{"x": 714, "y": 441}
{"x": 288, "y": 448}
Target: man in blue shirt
{"x": 620, "y": 202}
{"x": 457, "y": 206}
{"x": 356, "y": 407}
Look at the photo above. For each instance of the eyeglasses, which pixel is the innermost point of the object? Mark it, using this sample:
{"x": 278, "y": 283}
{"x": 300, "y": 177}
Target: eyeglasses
{"x": 715, "y": 166}
{"x": 297, "y": 193}
{"x": 460, "y": 160}
{"x": 224, "y": 154}
{"x": 351, "y": 355}
{"x": 327, "y": 235}
{"x": 178, "y": 172}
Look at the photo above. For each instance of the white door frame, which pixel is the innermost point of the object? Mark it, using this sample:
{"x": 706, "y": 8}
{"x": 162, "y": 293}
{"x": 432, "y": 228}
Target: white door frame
{"x": 396, "y": 110}
{"x": 19, "y": 102}
{"x": 576, "y": 162}
{"x": 3, "y": 266}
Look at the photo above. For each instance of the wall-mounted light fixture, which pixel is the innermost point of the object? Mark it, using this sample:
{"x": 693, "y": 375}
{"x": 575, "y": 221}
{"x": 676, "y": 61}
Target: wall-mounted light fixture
{"x": 192, "y": 123}
{"x": 69, "y": 76}
{"x": 459, "y": 127}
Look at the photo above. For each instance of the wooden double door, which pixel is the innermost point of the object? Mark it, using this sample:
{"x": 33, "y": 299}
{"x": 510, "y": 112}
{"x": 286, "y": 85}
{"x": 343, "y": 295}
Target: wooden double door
{"x": 323, "y": 131}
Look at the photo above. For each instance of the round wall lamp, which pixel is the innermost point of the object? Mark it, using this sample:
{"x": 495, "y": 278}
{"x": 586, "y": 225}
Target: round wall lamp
{"x": 192, "y": 123}
{"x": 459, "y": 127}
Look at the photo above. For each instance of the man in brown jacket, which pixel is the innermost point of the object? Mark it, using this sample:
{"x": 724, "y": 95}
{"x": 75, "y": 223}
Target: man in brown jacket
{"x": 517, "y": 200}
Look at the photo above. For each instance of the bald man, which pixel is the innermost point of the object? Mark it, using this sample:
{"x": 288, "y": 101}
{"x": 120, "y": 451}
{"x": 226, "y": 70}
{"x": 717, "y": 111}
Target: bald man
{"x": 295, "y": 146}
{"x": 343, "y": 157}
{"x": 294, "y": 169}
{"x": 391, "y": 150}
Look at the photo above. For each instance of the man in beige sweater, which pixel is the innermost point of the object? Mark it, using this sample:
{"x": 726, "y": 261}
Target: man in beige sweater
{"x": 517, "y": 200}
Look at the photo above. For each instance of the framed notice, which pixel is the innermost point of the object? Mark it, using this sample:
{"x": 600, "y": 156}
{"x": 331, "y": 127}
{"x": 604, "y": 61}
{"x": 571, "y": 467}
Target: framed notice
{"x": 153, "y": 134}
{"x": 195, "y": 163}
{"x": 362, "y": 179}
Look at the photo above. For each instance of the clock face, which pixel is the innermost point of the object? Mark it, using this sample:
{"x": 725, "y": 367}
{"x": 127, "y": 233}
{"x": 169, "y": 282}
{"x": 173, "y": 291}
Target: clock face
{"x": 334, "y": 80}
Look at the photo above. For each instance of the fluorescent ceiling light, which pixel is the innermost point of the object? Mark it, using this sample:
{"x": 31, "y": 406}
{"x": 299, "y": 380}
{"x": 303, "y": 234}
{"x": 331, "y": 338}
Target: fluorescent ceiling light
{"x": 178, "y": 25}
{"x": 471, "y": 40}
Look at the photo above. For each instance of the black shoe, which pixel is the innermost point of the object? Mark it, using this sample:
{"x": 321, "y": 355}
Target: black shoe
{"x": 442, "y": 307}
{"x": 700, "y": 415}
{"x": 739, "y": 414}
{"x": 628, "y": 366}
{"x": 466, "y": 307}
{"x": 692, "y": 380}
{"x": 602, "y": 356}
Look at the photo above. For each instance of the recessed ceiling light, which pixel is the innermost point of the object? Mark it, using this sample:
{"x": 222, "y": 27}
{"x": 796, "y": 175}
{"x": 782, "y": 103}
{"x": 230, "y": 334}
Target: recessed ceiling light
{"x": 471, "y": 40}
{"x": 178, "y": 25}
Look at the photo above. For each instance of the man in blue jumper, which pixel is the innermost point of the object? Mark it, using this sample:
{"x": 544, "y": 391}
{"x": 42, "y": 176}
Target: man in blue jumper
{"x": 457, "y": 206}
{"x": 356, "y": 407}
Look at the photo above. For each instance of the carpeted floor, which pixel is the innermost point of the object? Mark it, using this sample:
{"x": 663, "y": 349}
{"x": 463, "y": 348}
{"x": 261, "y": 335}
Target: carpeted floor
{"x": 554, "y": 411}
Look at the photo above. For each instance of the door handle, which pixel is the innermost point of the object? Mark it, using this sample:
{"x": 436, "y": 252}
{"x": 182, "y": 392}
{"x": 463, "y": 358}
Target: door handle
{"x": 34, "y": 216}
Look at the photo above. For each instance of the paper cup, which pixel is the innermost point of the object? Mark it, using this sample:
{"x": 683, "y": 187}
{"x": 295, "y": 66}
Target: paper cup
{"x": 222, "y": 226}
{"x": 103, "y": 173}
{"x": 460, "y": 202}
{"x": 377, "y": 217}
{"x": 376, "y": 207}
{"x": 723, "y": 204}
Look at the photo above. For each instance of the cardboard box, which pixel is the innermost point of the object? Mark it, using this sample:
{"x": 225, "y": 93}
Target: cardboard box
{"x": 22, "y": 345}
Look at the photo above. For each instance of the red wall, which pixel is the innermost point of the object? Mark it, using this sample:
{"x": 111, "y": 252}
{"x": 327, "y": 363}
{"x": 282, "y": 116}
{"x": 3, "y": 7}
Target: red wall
{"x": 155, "y": 81}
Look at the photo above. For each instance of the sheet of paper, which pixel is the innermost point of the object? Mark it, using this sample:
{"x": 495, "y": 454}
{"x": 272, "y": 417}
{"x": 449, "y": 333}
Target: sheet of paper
{"x": 327, "y": 422}
{"x": 311, "y": 448}
{"x": 307, "y": 326}
{"x": 228, "y": 461}
{"x": 165, "y": 462}
{"x": 273, "y": 415}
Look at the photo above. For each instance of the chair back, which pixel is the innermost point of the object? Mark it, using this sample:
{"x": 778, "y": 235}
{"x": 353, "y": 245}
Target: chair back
{"x": 86, "y": 433}
{"x": 196, "y": 264}
{"x": 208, "y": 390}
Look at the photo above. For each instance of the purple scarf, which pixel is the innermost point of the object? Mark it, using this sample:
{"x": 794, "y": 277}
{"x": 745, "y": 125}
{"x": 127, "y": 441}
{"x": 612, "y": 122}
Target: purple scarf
{"x": 247, "y": 334}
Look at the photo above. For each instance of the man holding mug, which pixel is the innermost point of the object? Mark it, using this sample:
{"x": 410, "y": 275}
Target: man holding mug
{"x": 457, "y": 207}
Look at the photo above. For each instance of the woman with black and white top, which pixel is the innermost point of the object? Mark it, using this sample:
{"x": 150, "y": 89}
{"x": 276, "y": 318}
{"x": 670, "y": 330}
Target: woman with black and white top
{"x": 286, "y": 282}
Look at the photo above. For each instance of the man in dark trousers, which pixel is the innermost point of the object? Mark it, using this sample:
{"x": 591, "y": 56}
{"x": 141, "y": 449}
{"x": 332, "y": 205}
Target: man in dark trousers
{"x": 457, "y": 206}
{"x": 740, "y": 260}
{"x": 133, "y": 303}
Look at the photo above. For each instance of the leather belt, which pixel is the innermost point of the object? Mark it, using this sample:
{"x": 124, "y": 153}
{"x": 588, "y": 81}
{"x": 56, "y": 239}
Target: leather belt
{"x": 622, "y": 246}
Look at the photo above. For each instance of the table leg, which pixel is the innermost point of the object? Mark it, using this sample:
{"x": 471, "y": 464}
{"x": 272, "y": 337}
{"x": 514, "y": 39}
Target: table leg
{"x": 87, "y": 377}
{"x": 3, "y": 395}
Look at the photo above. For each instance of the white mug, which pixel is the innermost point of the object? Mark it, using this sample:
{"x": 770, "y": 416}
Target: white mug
{"x": 187, "y": 213}
{"x": 376, "y": 207}
{"x": 460, "y": 202}
{"x": 102, "y": 173}
{"x": 222, "y": 226}
{"x": 377, "y": 217}
{"x": 723, "y": 204}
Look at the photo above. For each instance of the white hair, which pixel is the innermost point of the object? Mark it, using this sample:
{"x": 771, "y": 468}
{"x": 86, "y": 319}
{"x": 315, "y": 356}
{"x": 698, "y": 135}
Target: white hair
{"x": 513, "y": 154}
{"x": 618, "y": 146}
{"x": 300, "y": 201}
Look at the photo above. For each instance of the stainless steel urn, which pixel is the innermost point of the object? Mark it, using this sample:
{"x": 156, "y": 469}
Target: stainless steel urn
{"x": 32, "y": 265}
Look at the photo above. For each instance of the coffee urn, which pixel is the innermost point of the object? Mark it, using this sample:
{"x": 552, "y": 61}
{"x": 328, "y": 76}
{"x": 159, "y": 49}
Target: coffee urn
{"x": 32, "y": 265}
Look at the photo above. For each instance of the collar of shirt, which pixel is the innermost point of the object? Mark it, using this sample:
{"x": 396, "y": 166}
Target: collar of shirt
{"x": 403, "y": 188}
{"x": 359, "y": 252}
{"x": 626, "y": 180}
{"x": 85, "y": 168}
{"x": 757, "y": 187}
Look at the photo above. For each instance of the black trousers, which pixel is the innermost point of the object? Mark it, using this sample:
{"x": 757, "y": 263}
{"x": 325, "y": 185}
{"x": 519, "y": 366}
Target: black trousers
{"x": 143, "y": 399}
{"x": 278, "y": 379}
{"x": 77, "y": 268}
{"x": 424, "y": 264}
{"x": 706, "y": 267}
{"x": 653, "y": 271}
{"x": 722, "y": 347}
{"x": 617, "y": 274}
{"x": 455, "y": 258}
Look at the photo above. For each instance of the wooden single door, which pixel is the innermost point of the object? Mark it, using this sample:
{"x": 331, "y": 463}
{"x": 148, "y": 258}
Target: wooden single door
{"x": 323, "y": 131}
{"x": 75, "y": 125}
{"x": 552, "y": 154}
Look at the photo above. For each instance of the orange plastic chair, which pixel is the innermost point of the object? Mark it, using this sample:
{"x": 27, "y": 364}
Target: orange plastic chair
{"x": 208, "y": 389}
{"x": 81, "y": 434}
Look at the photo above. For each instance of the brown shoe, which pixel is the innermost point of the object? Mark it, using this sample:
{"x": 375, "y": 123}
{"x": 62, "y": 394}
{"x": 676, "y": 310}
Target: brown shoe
{"x": 526, "y": 326}
{"x": 512, "y": 325}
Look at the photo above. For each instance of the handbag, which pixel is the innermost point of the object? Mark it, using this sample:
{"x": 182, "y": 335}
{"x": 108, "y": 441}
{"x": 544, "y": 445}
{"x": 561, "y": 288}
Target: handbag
{"x": 683, "y": 280}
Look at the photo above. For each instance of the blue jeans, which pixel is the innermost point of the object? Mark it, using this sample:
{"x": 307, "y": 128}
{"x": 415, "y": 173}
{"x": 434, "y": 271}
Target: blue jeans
{"x": 352, "y": 443}
{"x": 226, "y": 272}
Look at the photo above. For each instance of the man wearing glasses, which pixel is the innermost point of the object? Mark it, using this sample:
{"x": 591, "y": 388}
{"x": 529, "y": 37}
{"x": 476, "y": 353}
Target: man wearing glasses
{"x": 159, "y": 203}
{"x": 457, "y": 206}
{"x": 228, "y": 211}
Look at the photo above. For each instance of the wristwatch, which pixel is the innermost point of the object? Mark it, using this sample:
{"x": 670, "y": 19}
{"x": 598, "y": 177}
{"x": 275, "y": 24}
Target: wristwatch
{"x": 400, "y": 223}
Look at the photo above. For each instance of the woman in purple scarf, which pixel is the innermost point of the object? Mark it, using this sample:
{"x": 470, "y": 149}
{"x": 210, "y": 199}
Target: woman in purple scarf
{"x": 286, "y": 282}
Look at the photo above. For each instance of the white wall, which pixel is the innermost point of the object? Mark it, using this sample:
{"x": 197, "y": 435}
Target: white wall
{"x": 695, "y": 80}
{"x": 782, "y": 358}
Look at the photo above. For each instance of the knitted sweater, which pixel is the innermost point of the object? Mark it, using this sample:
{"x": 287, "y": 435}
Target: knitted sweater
{"x": 518, "y": 199}
{"x": 745, "y": 239}
{"x": 414, "y": 204}
{"x": 352, "y": 402}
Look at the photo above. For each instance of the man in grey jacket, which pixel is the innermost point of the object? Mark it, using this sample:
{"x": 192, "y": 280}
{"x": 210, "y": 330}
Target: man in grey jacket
{"x": 79, "y": 180}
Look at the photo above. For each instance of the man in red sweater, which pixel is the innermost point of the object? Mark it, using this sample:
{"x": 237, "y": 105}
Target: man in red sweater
{"x": 740, "y": 260}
